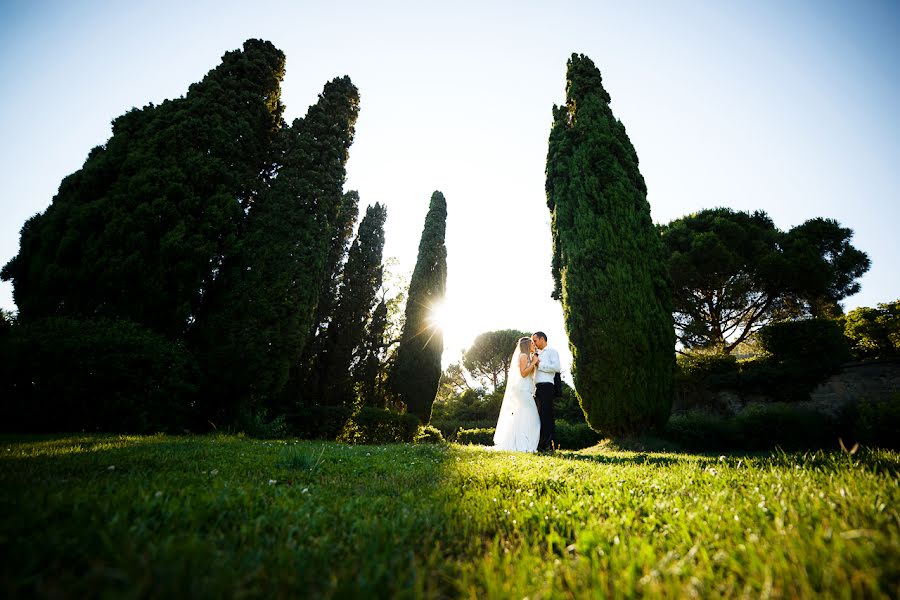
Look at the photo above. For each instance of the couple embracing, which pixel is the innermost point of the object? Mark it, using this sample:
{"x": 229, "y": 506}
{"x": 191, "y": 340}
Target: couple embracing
{"x": 526, "y": 415}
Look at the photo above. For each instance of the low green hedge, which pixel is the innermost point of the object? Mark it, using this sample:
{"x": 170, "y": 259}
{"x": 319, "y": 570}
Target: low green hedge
{"x": 569, "y": 436}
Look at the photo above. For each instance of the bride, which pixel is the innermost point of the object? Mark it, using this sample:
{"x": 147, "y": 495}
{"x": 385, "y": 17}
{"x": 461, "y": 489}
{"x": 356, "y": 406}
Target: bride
{"x": 519, "y": 425}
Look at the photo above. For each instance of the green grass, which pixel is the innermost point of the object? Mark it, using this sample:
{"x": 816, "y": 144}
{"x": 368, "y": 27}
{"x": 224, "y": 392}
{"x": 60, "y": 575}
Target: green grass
{"x": 123, "y": 516}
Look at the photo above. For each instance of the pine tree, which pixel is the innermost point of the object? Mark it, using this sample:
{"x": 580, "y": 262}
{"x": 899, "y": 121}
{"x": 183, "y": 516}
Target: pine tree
{"x": 360, "y": 282}
{"x": 608, "y": 262}
{"x": 140, "y": 231}
{"x": 260, "y": 315}
{"x": 418, "y": 367}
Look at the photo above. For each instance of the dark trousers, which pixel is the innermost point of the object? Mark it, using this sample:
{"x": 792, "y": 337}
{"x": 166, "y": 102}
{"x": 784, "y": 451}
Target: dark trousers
{"x": 543, "y": 397}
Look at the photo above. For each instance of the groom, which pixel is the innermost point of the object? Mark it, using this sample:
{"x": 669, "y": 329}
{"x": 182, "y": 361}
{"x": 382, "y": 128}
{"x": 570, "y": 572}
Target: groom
{"x": 547, "y": 362}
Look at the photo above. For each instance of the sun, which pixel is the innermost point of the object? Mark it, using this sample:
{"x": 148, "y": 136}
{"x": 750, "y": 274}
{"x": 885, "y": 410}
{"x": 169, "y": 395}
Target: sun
{"x": 439, "y": 316}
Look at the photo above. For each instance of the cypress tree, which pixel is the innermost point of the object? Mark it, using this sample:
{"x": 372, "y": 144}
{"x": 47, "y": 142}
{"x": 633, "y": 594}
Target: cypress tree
{"x": 139, "y": 232}
{"x": 304, "y": 379}
{"x": 360, "y": 282}
{"x": 608, "y": 263}
{"x": 260, "y": 315}
{"x": 418, "y": 367}
{"x": 369, "y": 373}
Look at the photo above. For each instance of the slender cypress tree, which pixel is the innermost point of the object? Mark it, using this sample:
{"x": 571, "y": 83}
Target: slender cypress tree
{"x": 260, "y": 316}
{"x": 608, "y": 262}
{"x": 369, "y": 371}
{"x": 304, "y": 378}
{"x": 360, "y": 282}
{"x": 418, "y": 366}
{"x": 139, "y": 232}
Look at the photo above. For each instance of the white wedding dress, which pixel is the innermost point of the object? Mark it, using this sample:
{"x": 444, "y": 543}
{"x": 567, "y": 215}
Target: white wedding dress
{"x": 519, "y": 425}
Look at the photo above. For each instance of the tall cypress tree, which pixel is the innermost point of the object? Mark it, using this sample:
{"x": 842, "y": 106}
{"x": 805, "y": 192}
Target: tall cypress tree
{"x": 139, "y": 232}
{"x": 360, "y": 282}
{"x": 369, "y": 371}
{"x": 418, "y": 366}
{"x": 259, "y": 317}
{"x": 304, "y": 378}
{"x": 608, "y": 263}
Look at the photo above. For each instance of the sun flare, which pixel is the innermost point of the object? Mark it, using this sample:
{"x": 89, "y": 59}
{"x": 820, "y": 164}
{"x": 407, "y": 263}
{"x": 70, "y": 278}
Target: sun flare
{"x": 439, "y": 316}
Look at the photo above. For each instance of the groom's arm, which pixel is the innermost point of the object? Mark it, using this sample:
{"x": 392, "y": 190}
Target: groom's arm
{"x": 549, "y": 362}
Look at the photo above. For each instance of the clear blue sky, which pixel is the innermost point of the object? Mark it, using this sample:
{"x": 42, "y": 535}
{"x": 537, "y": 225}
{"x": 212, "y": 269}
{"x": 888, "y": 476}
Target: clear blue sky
{"x": 788, "y": 107}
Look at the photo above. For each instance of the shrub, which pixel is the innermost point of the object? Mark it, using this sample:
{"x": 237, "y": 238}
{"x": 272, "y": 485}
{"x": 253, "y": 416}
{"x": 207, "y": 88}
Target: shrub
{"x": 567, "y": 407}
{"x": 449, "y": 429}
{"x": 481, "y": 437}
{"x": 787, "y": 426}
{"x": 64, "y": 374}
{"x": 877, "y": 422}
{"x": 318, "y": 422}
{"x": 758, "y": 427}
{"x": 698, "y": 430}
{"x": 801, "y": 354}
{"x": 378, "y": 426}
{"x": 714, "y": 370}
{"x": 429, "y": 435}
{"x": 575, "y": 436}
{"x": 255, "y": 424}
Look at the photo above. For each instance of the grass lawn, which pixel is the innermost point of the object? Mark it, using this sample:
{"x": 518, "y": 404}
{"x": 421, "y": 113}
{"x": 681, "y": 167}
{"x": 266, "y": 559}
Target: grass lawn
{"x": 128, "y": 516}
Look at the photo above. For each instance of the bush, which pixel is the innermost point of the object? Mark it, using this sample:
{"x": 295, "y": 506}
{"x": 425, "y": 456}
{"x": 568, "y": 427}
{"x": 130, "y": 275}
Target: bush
{"x": 318, "y": 422}
{"x": 64, "y": 374}
{"x": 758, "y": 427}
{"x": 449, "y": 429}
{"x": 470, "y": 406}
{"x": 787, "y": 426}
{"x": 877, "y": 423}
{"x": 699, "y": 430}
{"x": 429, "y": 435}
{"x": 713, "y": 370}
{"x": 480, "y": 437}
{"x": 567, "y": 407}
{"x": 378, "y": 426}
{"x": 255, "y": 424}
{"x": 574, "y": 436}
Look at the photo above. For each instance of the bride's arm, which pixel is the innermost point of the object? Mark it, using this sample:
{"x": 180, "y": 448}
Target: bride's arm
{"x": 524, "y": 367}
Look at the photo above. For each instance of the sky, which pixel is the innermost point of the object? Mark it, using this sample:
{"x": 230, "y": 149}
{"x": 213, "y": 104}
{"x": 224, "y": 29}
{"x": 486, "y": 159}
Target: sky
{"x": 788, "y": 107}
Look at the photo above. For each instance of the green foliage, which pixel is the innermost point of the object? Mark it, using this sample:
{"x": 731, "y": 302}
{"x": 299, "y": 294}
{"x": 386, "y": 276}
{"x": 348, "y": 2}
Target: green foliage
{"x": 733, "y": 272}
{"x": 345, "y": 339}
{"x": 876, "y": 423}
{"x": 7, "y": 320}
{"x": 140, "y": 231}
{"x": 429, "y": 435}
{"x": 479, "y": 437}
{"x": 801, "y": 354}
{"x": 574, "y": 436}
{"x": 418, "y": 364}
{"x": 608, "y": 264}
{"x": 325, "y": 520}
{"x": 377, "y": 426}
{"x": 258, "y": 316}
{"x": 318, "y": 422}
{"x": 567, "y": 407}
{"x": 710, "y": 369}
{"x": 64, "y": 374}
{"x": 304, "y": 377}
{"x": 874, "y": 333}
{"x": 758, "y": 427}
{"x": 487, "y": 359}
{"x": 371, "y": 372}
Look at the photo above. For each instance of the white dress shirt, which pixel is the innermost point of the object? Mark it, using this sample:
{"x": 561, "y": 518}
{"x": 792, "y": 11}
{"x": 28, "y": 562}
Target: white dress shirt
{"x": 549, "y": 365}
